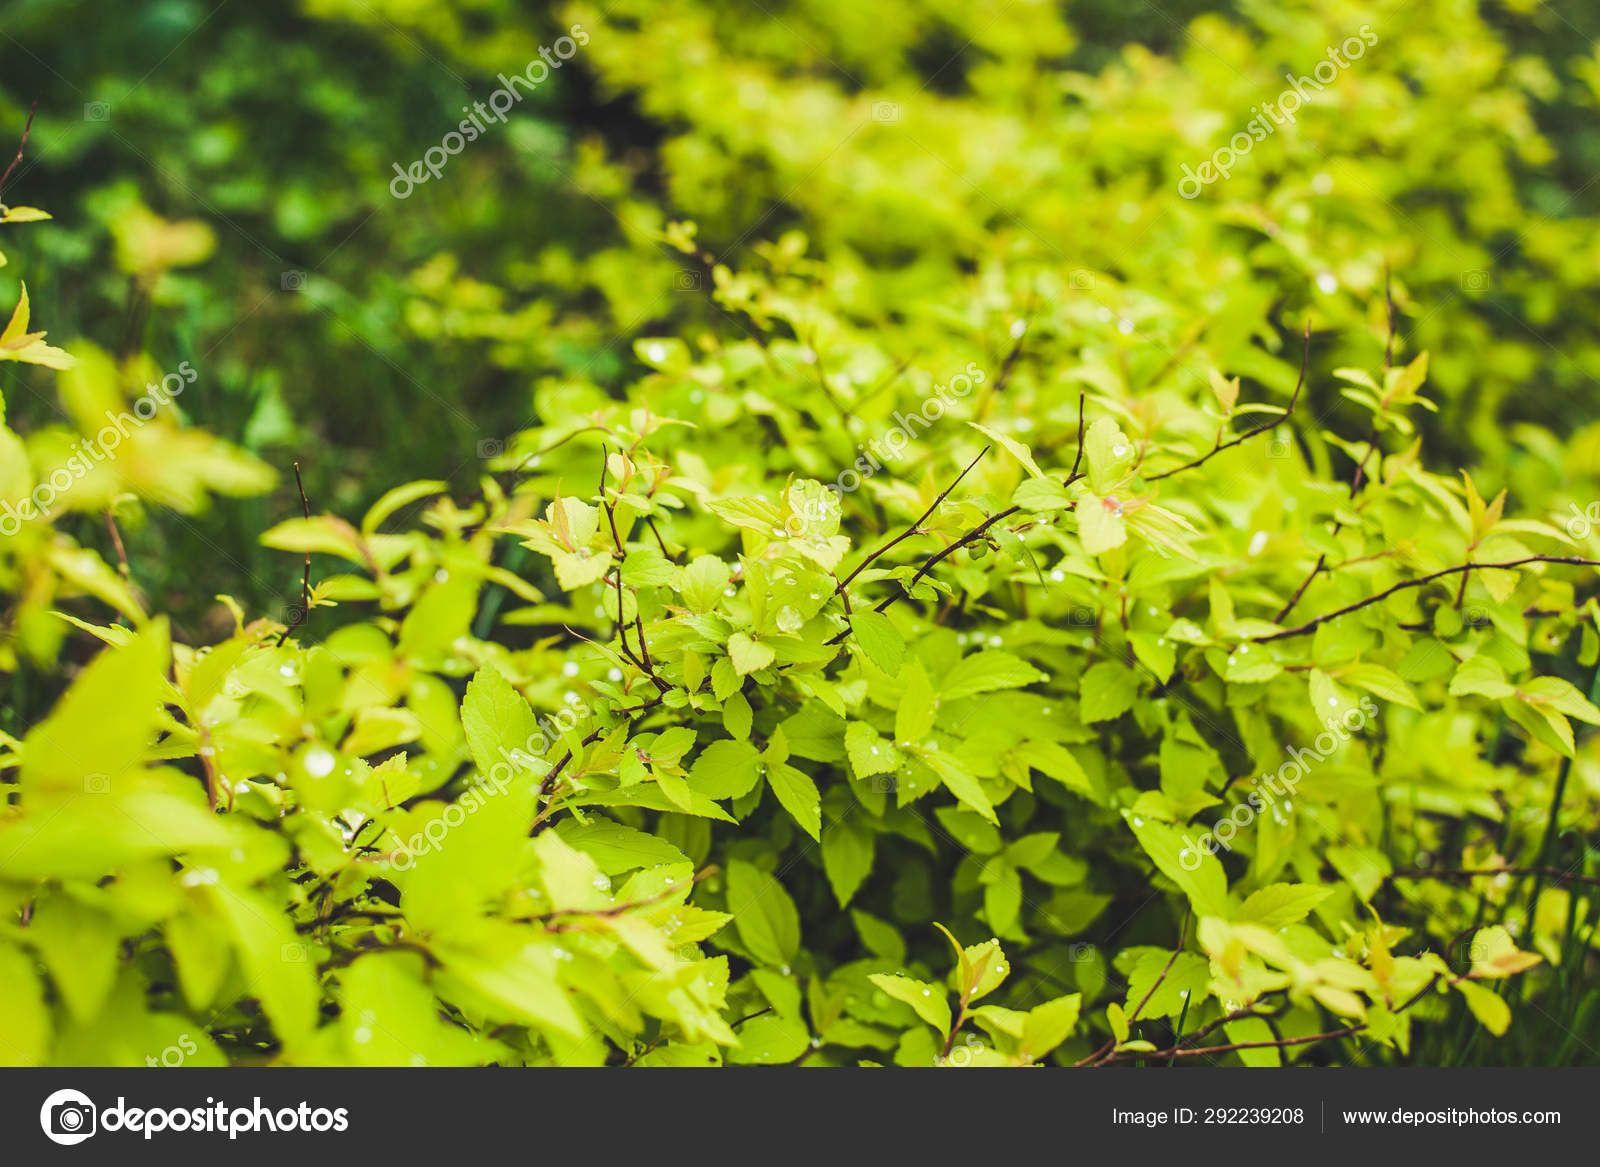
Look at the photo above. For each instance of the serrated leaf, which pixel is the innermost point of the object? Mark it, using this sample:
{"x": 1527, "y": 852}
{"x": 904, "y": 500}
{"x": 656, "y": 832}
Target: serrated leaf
{"x": 725, "y": 769}
{"x": 798, "y": 794}
{"x": 763, "y": 914}
{"x": 749, "y": 654}
{"x": 880, "y": 640}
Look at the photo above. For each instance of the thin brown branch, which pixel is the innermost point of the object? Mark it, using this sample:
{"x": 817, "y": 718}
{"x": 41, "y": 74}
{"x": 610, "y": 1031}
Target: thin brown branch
{"x": 23, "y": 145}
{"x": 1191, "y": 1051}
{"x": 305, "y": 578}
{"x": 1008, "y": 366}
{"x": 1421, "y": 581}
{"x": 913, "y": 529}
{"x": 122, "y": 552}
{"x": 1077, "y": 459}
{"x": 1305, "y": 359}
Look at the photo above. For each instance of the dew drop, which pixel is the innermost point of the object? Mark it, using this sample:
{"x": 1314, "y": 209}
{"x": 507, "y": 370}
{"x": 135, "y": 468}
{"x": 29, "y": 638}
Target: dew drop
{"x": 319, "y": 762}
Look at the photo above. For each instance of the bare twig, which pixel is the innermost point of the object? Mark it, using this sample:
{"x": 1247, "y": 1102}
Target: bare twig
{"x": 1190, "y": 1051}
{"x": 1361, "y": 467}
{"x": 1220, "y": 446}
{"x": 913, "y": 529}
{"x": 1422, "y": 581}
{"x": 305, "y": 578}
{"x": 23, "y": 145}
{"x": 122, "y": 552}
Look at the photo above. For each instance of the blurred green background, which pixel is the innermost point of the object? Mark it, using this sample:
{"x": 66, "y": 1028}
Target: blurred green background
{"x": 985, "y": 156}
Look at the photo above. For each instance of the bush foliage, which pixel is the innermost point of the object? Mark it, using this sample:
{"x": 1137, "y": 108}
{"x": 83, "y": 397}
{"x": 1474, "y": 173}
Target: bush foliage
{"x": 994, "y": 610}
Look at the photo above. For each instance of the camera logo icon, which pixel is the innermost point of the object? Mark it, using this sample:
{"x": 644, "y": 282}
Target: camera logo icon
{"x": 292, "y": 281}
{"x": 491, "y": 448}
{"x": 68, "y": 1117}
{"x": 885, "y": 111}
{"x": 96, "y": 111}
{"x": 685, "y": 280}
{"x": 1475, "y": 281}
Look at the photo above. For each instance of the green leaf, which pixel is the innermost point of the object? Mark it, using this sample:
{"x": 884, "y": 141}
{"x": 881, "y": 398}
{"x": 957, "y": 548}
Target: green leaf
{"x": 1041, "y": 494}
{"x": 846, "y": 857}
{"x": 986, "y": 671}
{"x": 1281, "y": 904}
{"x": 961, "y": 783}
{"x": 24, "y": 1016}
{"x": 927, "y": 1001}
{"x": 1166, "y": 983}
{"x": 1364, "y": 867}
{"x": 1495, "y": 954}
{"x": 1563, "y": 697}
{"x": 770, "y": 1040}
{"x": 1117, "y": 1020}
{"x": 1381, "y": 682}
{"x": 1542, "y": 723}
{"x": 1013, "y": 447}
{"x": 1196, "y": 872}
{"x": 764, "y": 915}
{"x": 1481, "y": 675}
{"x": 749, "y": 654}
{"x": 737, "y": 716}
{"x": 1106, "y": 691}
{"x": 1050, "y": 1024}
{"x": 79, "y": 947}
{"x": 726, "y": 769}
{"x": 104, "y": 723}
{"x": 798, "y": 794}
{"x": 879, "y": 936}
{"x": 1109, "y": 453}
{"x": 1487, "y": 1006}
{"x": 1156, "y": 653}
{"x": 616, "y": 848}
{"x": 879, "y": 639}
{"x": 915, "y": 713}
{"x": 869, "y": 752}
{"x": 499, "y": 724}
{"x": 1101, "y": 526}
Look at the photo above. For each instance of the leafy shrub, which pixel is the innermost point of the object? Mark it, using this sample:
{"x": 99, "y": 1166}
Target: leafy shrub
{"x": 614, "y": 806}
{"x": 1000, "y": 611}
